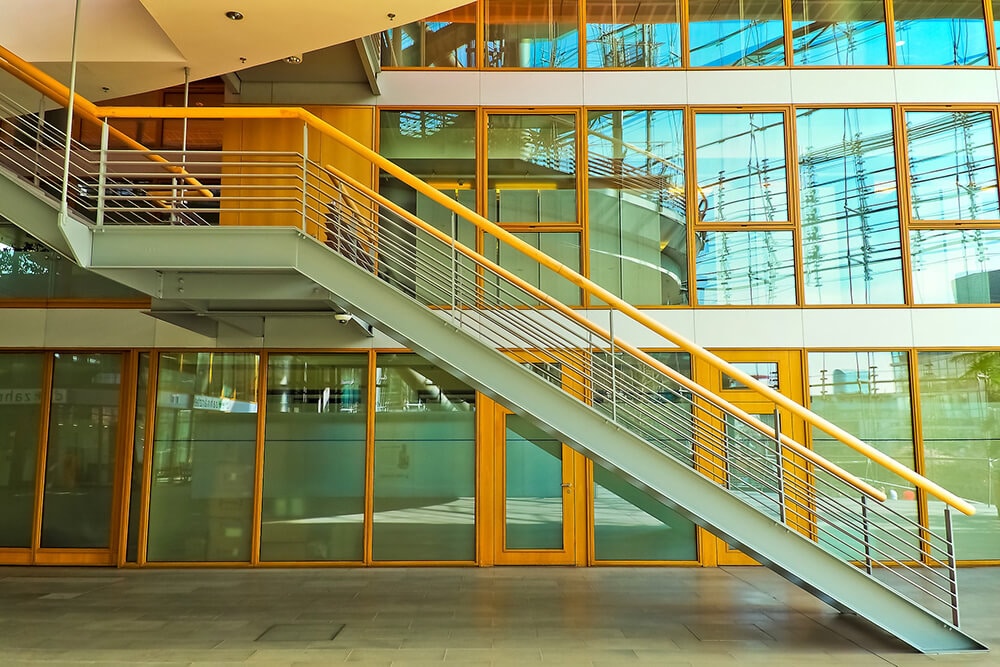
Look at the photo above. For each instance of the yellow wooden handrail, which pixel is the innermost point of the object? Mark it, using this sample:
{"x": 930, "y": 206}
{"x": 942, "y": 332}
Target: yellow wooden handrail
{"x": 569, "y": 274}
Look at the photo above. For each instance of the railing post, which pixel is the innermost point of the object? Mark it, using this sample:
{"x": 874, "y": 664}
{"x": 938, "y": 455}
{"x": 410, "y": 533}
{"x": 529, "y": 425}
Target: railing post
{"x": 102, "y": 173}
{"x": 614, "y": 367}
{"x": 866, "y": 532}
{"x": 454, "y": 268}
{"x": 949, "y": 537}
{"x": 781, "y": 464}
{"x": 305, "y": 176}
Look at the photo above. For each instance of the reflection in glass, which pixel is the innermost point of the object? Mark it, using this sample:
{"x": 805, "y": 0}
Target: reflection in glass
{"x": 960, "y": 423}
{"x": 314, "y": 457}
{"x": 955, "y": 265}
{"x": 940, "y": 33}
{"x": 633, "y": 33}
{"x": 564, "y": 247}
{"x": 637, "y": 215}
{"x": 741, "y": 34}
{"x": 765, "y": 372}
{"x": 850, "y": 215}
{"x": 81, "y": 451}
{"x": 752, "y": 467}
{"x": 21, "y": 396}
{"x": 201, "y": 496}
{"x": 425, "y": 463}
{"x": 746, "y": 268}
{"x": 839, "y": 33}
{"x": 533, "y": 503}
{"x": 629, "y": 524}
{"x": 447, "y": 39}
{"x": 138, "y": 459}
{"x": 533, "y": 35}
{"x": 868, "y": 395}
{"x": 953, "y": 172}
{"x": 741, "y": 166}
{"x": 531, "y": 168}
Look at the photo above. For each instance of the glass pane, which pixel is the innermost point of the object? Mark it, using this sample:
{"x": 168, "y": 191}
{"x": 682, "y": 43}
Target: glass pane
{"x": 741, "y": 167}
{"x": 80, "y": 457}
{"x": 629, "y": 524}
{"x": 533, "y": 504}
{"x": 959, "y": 406}
{"x": 204, "y": 443}
{"x": 955, "y": 265}
{"x": 839, "y": 33}
{"x": 765, "y": 372}
{"x": 531, "y": 168}
{"x": 741, "y": 34}
{"x": 633, "y": 33}
{"x": 940, "y": 33}
{"x": 314, "y": 457}
{"x": 953, "y": 171}
{"x": 637, "y": 214}
{"x": 425, "y": 462}
{"x": 138, "y": 460}
{"x": 21, "y": 395}
{"x": 866, "y": 394}
{"x": 751, "y": 458}
{"x": 447, "y": 39}
{"x": 850, "y": 215}
{"x": 746, "y": 268}
{"x": 563, "y": 247}
{"x": 533, "y": 34}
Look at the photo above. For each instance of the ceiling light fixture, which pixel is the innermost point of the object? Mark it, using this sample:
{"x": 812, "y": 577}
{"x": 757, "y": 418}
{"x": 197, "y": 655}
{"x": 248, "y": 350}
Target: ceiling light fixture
{"x": 234, "y": 15}
{"x": 294, "y": 59}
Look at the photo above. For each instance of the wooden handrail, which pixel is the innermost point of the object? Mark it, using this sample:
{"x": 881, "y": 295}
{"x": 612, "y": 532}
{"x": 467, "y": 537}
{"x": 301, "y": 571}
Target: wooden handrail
{"x": 560, "y": 269}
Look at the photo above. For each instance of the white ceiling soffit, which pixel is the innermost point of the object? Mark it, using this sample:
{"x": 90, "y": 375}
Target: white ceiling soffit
{"x": 131, "y": 46}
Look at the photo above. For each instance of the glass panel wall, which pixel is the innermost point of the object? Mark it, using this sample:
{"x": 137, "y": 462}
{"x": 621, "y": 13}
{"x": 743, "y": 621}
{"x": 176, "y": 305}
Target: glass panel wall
{"x": 533, "y": 34}
{"x": 447, "y": 39}
{"x": 564, "y": 247}
{"x": 740, "y": 34}
{"x": 81, "y": 451}
{"x": 633, "y": 33}
{"x": 746, "y": 269}
{"x": 533, "y": 497}
{"x": 425, "y": 463}
{"x": 637, "y": 213}
{"x": 960, "y": 421}
{"x": 940, "y": 33}
{"x": 953, "y": 171}
{"x": 851, "y": 245}
{"x": 21, "y": 395}
{"x": 314, "y": 457}
{"x": 741, "y": 166}
{"x": 839, "y": 33}
{"x": 960, "y": 266}
{"x": 204, "y": 442}
{"x": 866, "y": 394}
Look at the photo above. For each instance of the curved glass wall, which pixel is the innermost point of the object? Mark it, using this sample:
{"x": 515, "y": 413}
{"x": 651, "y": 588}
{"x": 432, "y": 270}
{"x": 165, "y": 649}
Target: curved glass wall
{"x": 851, "y": 245}
{"x": 839, "y": 33}
{"x": 633, "y": 33}
{"x": 940, "y": 33}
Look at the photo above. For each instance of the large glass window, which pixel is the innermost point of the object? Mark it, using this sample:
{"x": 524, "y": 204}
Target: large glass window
{"x": 425, "y": 463}
{"x": 953, "y": 171}
{"x": 444, "y": 40}
{"x": 633, "y": 33}
{"x": 839, "y": 33}
{"x": 955, "y": 265}
{"x": 744, "y": 33}
{"x": 851, "y": 248}
{"x": 81, "y": 452}
{"x": 204, "y": 444}
{"x": 564, "y": 247}
{"x": 940, "y": 33}
{"x": 960, "y": 421}
{"x": 533, "y": 34}
{"x": 21, "y": 395}
{"x": 637, "y": 213}
{"x": 314, "y": 457}
{"x": 741, "y": 167}
{"x": 746, "y": 268}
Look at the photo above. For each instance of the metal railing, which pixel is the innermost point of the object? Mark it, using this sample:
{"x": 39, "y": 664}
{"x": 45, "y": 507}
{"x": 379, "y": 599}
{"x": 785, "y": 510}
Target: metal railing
{"x": 512, "y": 316}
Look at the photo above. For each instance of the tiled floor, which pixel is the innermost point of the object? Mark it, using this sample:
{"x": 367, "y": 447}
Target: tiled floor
{"x": 470, "y": 616}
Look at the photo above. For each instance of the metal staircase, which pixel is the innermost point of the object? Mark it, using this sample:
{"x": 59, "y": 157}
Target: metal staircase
{"x": 158, "y": 222}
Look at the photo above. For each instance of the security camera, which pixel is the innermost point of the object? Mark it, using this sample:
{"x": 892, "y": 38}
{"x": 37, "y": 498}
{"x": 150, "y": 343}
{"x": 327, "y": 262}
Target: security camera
{"x": 343, "y": 318}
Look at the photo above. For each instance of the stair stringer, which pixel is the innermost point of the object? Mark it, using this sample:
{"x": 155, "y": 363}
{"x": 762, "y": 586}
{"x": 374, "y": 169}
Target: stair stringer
{"x": 783, "y": 550}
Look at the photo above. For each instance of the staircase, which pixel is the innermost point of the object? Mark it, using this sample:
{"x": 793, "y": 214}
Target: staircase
{"x": 150, "y": 220}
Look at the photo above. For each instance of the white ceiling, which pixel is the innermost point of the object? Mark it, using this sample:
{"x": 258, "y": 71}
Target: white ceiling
{"x": 131, "y": 46}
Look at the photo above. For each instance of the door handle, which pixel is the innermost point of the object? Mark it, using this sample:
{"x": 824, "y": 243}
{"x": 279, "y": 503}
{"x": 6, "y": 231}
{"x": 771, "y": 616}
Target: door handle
{"x": 566, "y": 485}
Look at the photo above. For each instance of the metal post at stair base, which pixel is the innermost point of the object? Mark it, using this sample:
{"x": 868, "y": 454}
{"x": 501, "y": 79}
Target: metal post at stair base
{"x": 305, "y": 176}
{"x": 781, "y": 465}
{"x": 866, "y": 532}
{"x": 949, "y": 537}
{"x": 102, "y": 174}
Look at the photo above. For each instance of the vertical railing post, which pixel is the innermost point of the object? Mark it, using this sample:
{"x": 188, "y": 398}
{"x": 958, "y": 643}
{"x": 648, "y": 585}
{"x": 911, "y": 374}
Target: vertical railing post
{"x": 949, "y": 536}
{"x": 781, "y": 464}
{"x": 305, "y": 176}
{"x": 64, "y": 202}
{"x": 455, "y": 314}
{"x": 614, "y": 367}
{"x": 102, "y": 173}
{"x": 866, "y": 533}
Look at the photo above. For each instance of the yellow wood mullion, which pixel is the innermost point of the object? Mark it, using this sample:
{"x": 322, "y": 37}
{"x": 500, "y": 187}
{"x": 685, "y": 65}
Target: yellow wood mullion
{"x": 691, "y": 191}
{"x": 792, "y": 195}
{"x": 369, "y": 483}
{"x": 890, "y": 33}
{"x": 48, "y": 372}
{"x": 147, "y": 462}
{"x": 786, "y": 15}
{"x": 258, "y": 478}
{"x": 919, "y": 462}
{"x": 486, "y": 421}
{"x": 903, "y": 198}
{"x": 123, "y": 456}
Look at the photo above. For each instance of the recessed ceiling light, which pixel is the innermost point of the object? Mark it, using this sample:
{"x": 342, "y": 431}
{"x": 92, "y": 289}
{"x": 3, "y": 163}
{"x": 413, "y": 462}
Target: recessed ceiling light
{"x": 294, "y": 60}
{"x": 234, "y": 15}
